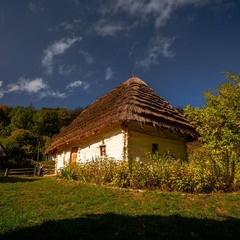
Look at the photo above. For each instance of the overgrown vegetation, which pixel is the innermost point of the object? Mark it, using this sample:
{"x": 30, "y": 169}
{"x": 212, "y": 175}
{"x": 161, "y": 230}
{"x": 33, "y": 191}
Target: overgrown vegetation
{"x": 25, "y": 131}
{"x": 51, "y": 208}
{"x": 166, "y": 174}
{"x": 218, "y": 123}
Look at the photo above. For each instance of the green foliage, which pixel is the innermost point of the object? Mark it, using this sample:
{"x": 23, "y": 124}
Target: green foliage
{"x": 68, "y": 172}
{"x": 3, "y": 115}
{"x": 161, "y": 172}
{"x": 26, "y": 132}
{"x": 48, "y": 122}
{"x": 99, "y": 171}
{"x": 4, "y": 121}
{"x": 122, "y": 175}
{"x": 218, "y": 123}
{"x": 21, "y": 145}
{"x": 22, "y": 118}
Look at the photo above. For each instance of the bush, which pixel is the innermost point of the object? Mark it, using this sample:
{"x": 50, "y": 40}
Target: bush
{"x": 160, "y": 172}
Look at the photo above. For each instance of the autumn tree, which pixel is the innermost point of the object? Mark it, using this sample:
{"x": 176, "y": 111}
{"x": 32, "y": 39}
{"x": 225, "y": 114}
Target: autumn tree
{"x": 4, "y": 121}
{"x": 218, "y": 123}
{"x": 3, "y": 115}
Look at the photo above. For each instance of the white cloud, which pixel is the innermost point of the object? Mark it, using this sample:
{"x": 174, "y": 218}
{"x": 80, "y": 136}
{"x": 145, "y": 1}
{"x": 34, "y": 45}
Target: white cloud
{"x": 105, "y": 28}
{"x": 34, "y": 8}
{"x": 78, "y": 84}
{"x": 66, "y": 26}
{"x": 52, "y": 93}
{"x": 74, "y": 25}
{"x": 1, "y": 90}
{"x": 132, "y": 48}
{"x": 66, "y": 69}
{"x": 158, "y": 47}
{"x": 142, "y": 13}
{"x": 87, "y": 56}
{"x": 27, "y": 85}
{"x": 57, "y": 48}
{"x": 109, "y": 73}
{"x": 160, "y": 10}
{"x": 76, "y": 2}
{"x": 31, "y": 86}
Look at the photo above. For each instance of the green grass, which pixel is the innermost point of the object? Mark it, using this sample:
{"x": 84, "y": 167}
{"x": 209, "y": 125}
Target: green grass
{"x": 51, "y": 208}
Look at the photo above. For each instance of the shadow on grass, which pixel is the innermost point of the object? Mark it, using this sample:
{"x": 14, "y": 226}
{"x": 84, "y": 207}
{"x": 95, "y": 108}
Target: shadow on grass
{"x": 114, "y": 226}
{"x": 14, "y": 179}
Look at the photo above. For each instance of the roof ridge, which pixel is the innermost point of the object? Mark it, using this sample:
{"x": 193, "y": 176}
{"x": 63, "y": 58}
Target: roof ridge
{"x": 134, "y": 80}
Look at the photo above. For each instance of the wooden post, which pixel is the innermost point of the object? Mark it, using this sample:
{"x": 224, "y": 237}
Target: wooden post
{"x": 38, "y": 151}
{"x": 6, "y": 172}
{"x": 35, "y": 171}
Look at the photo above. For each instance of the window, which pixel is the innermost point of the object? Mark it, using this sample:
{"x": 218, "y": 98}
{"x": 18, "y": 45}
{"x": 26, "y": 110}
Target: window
{"x": 103, "y": 150}
{"x": 155, "y": 148}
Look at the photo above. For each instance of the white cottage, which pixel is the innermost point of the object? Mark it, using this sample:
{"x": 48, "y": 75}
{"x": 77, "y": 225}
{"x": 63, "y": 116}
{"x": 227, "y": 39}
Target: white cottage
{"x": 125, "y": 124}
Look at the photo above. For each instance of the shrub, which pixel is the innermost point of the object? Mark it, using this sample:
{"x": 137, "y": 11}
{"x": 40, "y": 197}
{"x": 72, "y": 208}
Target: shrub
{"x": 67, "y": 172}
{"x": 165, "y": 173}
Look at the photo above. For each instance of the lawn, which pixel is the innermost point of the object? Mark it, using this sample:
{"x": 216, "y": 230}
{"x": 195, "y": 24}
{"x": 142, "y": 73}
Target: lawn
{"x": 51, "y": 208}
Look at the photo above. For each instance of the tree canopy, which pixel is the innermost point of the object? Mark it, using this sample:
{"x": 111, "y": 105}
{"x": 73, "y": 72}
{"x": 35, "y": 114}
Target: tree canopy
{"x": 25, "y": 130}
{"x": 218, "y": 123}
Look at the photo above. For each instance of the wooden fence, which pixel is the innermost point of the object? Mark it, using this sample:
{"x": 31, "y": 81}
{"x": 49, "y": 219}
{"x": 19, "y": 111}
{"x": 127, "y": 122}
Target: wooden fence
{"x": 48, "y": 170}
{"x": 20, "y": 172}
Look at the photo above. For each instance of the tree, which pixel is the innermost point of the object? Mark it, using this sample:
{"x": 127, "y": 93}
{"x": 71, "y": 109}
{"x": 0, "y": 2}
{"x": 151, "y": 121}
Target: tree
{"x": 22, "y": 145}
{"x": 22, "y": 118}
{"x": 3, "y": 115}
{"x": 48, "y": 122}
{"x": 26, "y": 132}
{"x": 4, "y": 121}
{"x": 218, "y": 123}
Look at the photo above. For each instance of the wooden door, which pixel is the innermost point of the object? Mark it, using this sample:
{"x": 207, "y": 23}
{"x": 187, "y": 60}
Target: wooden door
{"x": 73, "y": 158}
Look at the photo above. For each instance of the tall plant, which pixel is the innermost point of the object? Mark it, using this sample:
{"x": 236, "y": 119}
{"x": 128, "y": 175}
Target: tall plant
{"x": 218, "y": 123}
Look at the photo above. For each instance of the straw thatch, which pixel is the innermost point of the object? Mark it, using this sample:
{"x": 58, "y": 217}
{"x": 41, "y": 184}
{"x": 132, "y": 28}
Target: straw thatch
{"x": 132, "y": 101}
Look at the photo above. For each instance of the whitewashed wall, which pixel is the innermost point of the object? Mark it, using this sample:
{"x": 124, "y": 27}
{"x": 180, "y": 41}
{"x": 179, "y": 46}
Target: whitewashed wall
{"x": 111, "y": 137}
{"x": 139, "y": 143}
{"x": 62, "y": 159}
{"x": 113, "y": 141}
{"x": 141, "y": 140}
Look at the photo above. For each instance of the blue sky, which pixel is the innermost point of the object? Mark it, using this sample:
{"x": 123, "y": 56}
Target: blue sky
{"x": 67, "y": 53}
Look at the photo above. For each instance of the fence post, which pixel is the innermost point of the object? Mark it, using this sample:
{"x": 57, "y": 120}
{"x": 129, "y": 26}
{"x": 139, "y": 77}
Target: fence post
{"x": 35, "y": 171}
{"x": 6, "y": 172}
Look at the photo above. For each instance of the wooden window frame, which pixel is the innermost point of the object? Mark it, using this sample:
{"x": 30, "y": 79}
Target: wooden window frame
{"x": 155, "y": 148}
{"x": 103, "y": 152}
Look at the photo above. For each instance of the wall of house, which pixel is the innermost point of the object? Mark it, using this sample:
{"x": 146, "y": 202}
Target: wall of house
{"x": 89, "y": 148}
{"x": 111, "y": 138}
{"x": 136, "y": 142}
{"x": 140, "y": 142}
{"x": 62, "y": 158}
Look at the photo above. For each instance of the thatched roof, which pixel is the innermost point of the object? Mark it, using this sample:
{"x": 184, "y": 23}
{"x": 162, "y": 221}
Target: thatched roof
{"x": 132, "y": 101}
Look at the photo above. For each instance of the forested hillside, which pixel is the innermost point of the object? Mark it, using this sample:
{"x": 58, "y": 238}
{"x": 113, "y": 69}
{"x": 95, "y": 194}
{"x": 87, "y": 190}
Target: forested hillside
{"x": 26, "y": 131}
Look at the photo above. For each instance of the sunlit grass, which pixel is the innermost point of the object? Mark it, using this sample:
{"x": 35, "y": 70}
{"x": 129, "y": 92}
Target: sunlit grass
{"x": 29, "y": 204}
